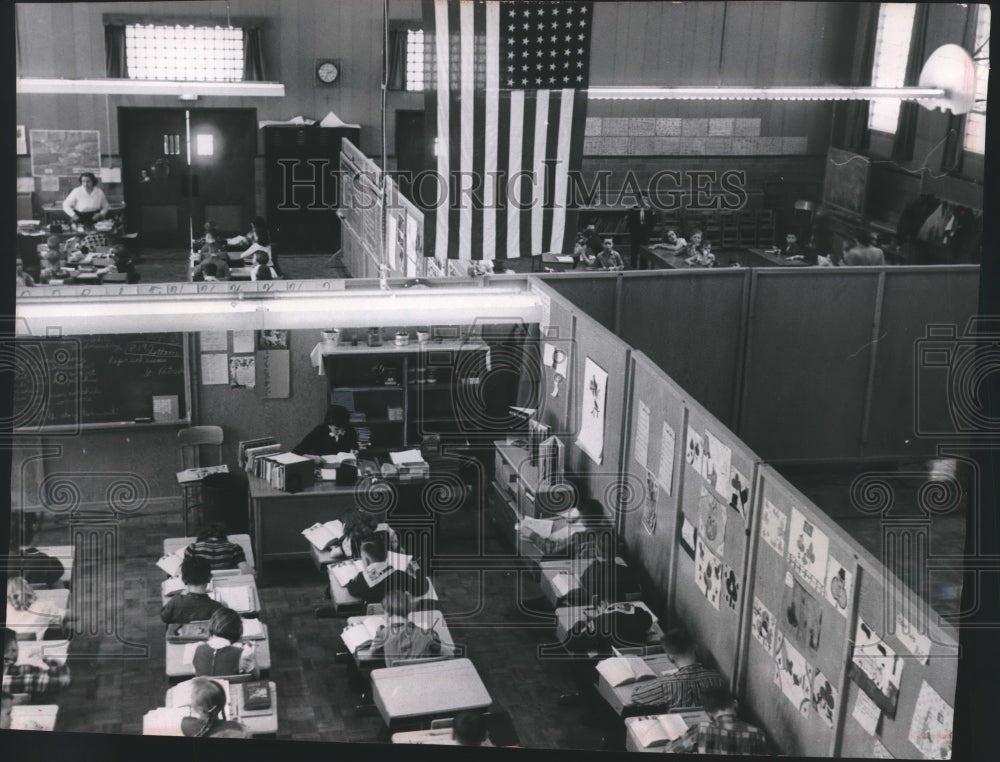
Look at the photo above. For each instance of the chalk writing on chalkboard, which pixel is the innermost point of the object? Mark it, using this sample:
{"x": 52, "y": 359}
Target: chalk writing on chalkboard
{"x": 76, "y": 381}
{"x": 845, "y": 184}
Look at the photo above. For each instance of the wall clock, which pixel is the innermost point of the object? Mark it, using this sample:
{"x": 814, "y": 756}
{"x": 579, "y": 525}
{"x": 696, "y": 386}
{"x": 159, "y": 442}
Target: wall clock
{"x": 327, "y": 71}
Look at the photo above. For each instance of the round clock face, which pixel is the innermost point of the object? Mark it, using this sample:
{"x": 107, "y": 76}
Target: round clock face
{"x": 327, "y": 72}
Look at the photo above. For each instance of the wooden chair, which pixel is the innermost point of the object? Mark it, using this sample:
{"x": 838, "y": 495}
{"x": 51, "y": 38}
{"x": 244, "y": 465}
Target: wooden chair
{"x": 190, "y": 441}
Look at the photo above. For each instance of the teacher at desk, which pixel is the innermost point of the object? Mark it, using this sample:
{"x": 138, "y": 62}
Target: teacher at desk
{"x": 332, "y": 436}
{"x": 86, "y": 202}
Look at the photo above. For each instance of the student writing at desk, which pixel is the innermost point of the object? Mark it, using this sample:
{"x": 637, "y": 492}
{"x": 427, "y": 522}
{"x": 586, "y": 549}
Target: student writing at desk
{"x": 374, "y": 555}
{"x": 33, "y": 679}
{"x": 194, "y": 604}
{"x": 333, "y": 436}
{"x": 683, "y": 687}
{"x": 723, "y": 733}
{"x": 223, "y": 654}
{"x": 213, "y": 545}
{"x": 86, "y": 202}
{"x": 208, "y": 702}
{"x": 399, "y": 638}
{"x": 31, "y": 618}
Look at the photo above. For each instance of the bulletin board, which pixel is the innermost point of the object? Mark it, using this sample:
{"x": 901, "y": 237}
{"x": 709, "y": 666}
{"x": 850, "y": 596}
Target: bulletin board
{"x": 804, "y": 574}
{"x": 362, "y": 206}
{"x": 653, "y": 458}
{"x": 64, "y": 153}
{"x": 709, "y": 576}
{"x": 404, "y": 234}
{"x": 557, "y": 351}
{"x": 594, "y": 294}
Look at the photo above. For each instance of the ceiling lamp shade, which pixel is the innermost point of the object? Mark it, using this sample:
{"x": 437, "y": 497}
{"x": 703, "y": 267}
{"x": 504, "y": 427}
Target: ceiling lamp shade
{"x": 951, "y": 69}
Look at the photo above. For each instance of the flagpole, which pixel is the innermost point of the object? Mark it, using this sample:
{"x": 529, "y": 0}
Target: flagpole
{"x": 383, "y": 256}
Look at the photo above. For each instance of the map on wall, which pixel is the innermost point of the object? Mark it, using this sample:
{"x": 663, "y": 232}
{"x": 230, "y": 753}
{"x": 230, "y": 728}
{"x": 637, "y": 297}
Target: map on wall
{"x": 64, "y": 153}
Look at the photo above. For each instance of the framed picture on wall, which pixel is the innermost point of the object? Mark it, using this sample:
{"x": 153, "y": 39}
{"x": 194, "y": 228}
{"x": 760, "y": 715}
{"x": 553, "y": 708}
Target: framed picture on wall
{"x": 22, "y": 140}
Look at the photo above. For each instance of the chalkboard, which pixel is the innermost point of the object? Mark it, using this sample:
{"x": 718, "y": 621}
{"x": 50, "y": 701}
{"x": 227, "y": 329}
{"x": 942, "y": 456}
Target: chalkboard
{"x": 845, "y": 184}
{"x": 65, "y": 153}
{"x": 99, "y": 380}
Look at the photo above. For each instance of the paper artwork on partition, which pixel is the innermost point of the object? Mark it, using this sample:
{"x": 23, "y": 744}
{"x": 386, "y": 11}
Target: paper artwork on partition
{"x": 914, "y": 641}
{"x": 867, "y": 713}
{"x": 707, "y": 573}
{"x": 739, "y": 493}
{"x": 762, "y": 625}
{"x": 824, "y": 698}
{"x": 711, "y": 521}
{"x": 839, "y": 585}
{"x": 557, "y": 361}
{"x": 649, "y": 511}
{"x": 793, "y": 675}
{"x": 640, "y": 443}
{"x": 731, "y": 587}
{"x": 876, "y": 668}
{"x": 213, "y": 341}
{"x": 802, "y": 615}
{"x": 773, "y": 525}
{"x": 716, "y": 463}
{"x": 931, "y": 727}
{"x": 688, "y": 533}
{"x": 695, "y": 450}
{"x": 242, "y": 372}
{"x": 594, "y": 397}
{"x": 667, "y": 445}
{"x": 808, "y": 548}
{"x": 243, "y": 342}
{"x": 214, "y": 368}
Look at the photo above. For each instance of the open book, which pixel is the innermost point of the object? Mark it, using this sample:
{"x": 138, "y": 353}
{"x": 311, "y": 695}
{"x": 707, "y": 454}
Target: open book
{"x": 288, "y": 458}
{"x": 398, "y": 561}
{"x": 622, "y": 670}
{"x": 253, "y": 629}
{"x": 339, "y": 458}
{"x": 171, "y": 563}
{"x": 236, "y": 597}
{"x": 165, "y": 721}
{"x": 658, "y": 730}
{"x": 346, "y": 571}
{"x": 323, "y": 536}
{"x": 360, "y": 633}
{"x": 191, "y": 632}
{"x": 42, "y": 653}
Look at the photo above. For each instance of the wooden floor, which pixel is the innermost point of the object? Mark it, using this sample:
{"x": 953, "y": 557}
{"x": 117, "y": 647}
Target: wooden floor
{"x": 171, "y": 265}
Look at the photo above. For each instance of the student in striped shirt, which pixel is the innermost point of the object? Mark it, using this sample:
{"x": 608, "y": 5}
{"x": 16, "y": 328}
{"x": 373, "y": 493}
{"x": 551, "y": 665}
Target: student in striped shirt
{"x": 682, "y": 688}
{"x": 213, "y": 545}
{"x": 723, "y": 733}
{"x": 29, "y": 678}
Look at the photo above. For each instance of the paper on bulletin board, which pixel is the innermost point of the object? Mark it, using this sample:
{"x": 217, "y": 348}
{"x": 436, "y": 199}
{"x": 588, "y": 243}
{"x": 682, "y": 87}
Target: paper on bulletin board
{"x": 867, "y": 713}
{"x": 273, "y": 374}
{"x": 411, "y": 246}
{"x": 49, "y": 182}
{"x": 716, "y": 462}
{"x": 808, "y": 547}
{"x": 762, "y": 625}
{"x": 695, "y": 450}
{"x": 803, "y": 615}
{"x": 772, "y": 527}
{"x": 212, "y": 341}
{"x": 593, "y": 400}
{"x": 879, "y": 751}
{"x": 641, "y": 441}
{"x": 824, "y": 698}
{"x": 111, "y": 174}
{"x": 792, "y": 675}
{"x": 914, "y": 641}
{"x": 931, "y": 727}
{"x": 25, "y": 185}
{"x": 707, "y": 573}
{"x": 839, "y": 585}
{"x": 242, "y": 372}
{"x": 214, "y": 369}
{"x": 243, "y": 342}
{"x": 876, "y": 668}
{"x": 739, "y": 493}
{"x": 667, "y": 445}
{"x": 165, "y": 407}
{"x": 393, "y": 255}
{"x": 712, "y": 521}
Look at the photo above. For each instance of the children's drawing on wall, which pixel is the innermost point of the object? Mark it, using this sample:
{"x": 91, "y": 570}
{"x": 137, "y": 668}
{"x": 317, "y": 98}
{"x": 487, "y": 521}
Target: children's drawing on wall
{"x": 876, "y": 668}
{"x": 839, "y": 585}
{"x": 793, "y": 675}
{"x": 649, "y": 510}
{"x": 592, "y": 413}
{"x": 708, "y": 573}
{"x": 762, "y": 625}
{"x": 772, "y": 527}
{"x": 824, "y": 698}
{"x": 731, "y": 587}
{"x": 242, "y": 372}
{"x": 802, "y": 615}
{"x": 711, "y": 521}
{"x": 808, "y": 547}
{"x": 739, "y": 493}
{"x": 557, "y": 360}
{"x": 272, "y": 339}
{"x": 695, "y": 450}
{"x": 716, "y": 464}
{"x": 930, "y": 729}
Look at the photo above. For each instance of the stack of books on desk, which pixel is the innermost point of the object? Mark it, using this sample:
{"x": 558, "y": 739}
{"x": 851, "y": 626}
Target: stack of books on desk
{"x": 254, "y": 449}
{"x": 285, "y": 471}
{"x": 410, "y": 465}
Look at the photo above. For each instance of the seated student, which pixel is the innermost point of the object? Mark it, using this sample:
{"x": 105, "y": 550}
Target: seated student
{"x": 618, "y": 625}
{"x": 609, "y": 258}
{"x": 223, "y": 654}
{"x": 53, "y": 270}
{"x": 208, "y": 701}
{"x": 35, "y": 680}
{"x": 211, "y": 241}
{"x": 335, "y": 435}
{"x": 723, "y": 733}
{"x": 122, "y": 263}
{"x": 399, "y": 638}
{"x": 681, "y": 688}
{"x": 607, "y": 579}
{"x": 791, "y": 248}
{"x": 31, "y": 618}
{"x": 672, "y": 242}
{"x": 699, "y": 251}
{"x": 360, "y": 526}
{"x": 863, "y": 252}
{"x": 194, "y": 604}
{"x": 213, "y": 545}
{"x": 469, "y": 729}
{"x": 21, "y": 278}
{"x": 213, "y": 266}
{"x": 38, "y": 568}
{"x": 256, "y": 241}
{"x": 374, "y": 554}
{"x": 262, "y": 270}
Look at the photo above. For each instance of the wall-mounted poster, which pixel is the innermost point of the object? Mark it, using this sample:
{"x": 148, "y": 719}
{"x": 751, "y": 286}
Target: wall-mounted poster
{"x": 556, "y": 360}
{"x": 695, "y": 450}
{"x": 808, "y": 547}
{"x": 666, "y": 470}
{"x": 772, "y": 527}
{"x": 876, "y": 668}
{"x": 762, "y": 625}
{"x": 711, "y": 521}
{"x": 824, "y": 697}
{"x": 793, "y": 675}
{"x": 707, "y": 573}
{"x": 649, "y": 511}
{"x": 839, "y": 585}
{"x": 739, "y": 493}
{"x": 640, "y": 442}
{"x": 930, "y": 730}
{"x": 272, "y": 339}
{"x": 594, "y": 397}
{"x": 716, "y": 464}
{"x": 730, "y": 587}
{"x": 801, "y": 615}
{"x": 64, "y": 153}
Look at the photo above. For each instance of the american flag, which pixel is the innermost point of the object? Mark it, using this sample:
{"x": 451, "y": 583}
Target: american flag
{"x": 507, "y": 102}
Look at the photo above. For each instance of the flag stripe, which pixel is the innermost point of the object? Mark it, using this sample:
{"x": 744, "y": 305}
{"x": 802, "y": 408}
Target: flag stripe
{"x": 526, "y": 190}
{"x": 503, "y": 172}
{"x": 490, "y": 148}
{"x": 443, "y": 123}
{"x": 561, "y": 180}
{"x": 538, "y": 170}
{"x": 466, "y": 125}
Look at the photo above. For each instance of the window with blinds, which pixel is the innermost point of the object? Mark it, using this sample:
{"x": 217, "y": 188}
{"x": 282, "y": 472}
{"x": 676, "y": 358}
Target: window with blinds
{"x": 892, "y": 49}
{"x": 975, "y": 121}
{"x": 184, "y": 53}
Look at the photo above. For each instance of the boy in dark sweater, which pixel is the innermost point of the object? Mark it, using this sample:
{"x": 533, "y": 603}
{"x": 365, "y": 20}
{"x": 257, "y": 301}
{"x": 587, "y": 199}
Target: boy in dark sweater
{"x": 194, "y": 604}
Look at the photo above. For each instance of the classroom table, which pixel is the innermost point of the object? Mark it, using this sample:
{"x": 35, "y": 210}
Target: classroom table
{"x": 691, "y": 717}
{"x": 228, "y": 580}
{"x": 424, "y": 618}
{"x": 173, "y": 544}
{"x": 550, "y": 570}
{"x": 57, "y": 599}
{"x": 342, "y": 599}
{"x": 34, "y": 717}
{"x": 773, "y": 256}
{"x": 558, "y": 262}
{"x": 178, "y": 667}
{"x": 433, "y": 689}
{"x": 568, "y": 616}
{"x": 53, "y": 212}
{"x": 620, "y": 697}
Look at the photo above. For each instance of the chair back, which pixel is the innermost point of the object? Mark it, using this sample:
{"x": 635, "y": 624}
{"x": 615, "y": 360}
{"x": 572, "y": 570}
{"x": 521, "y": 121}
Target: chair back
{"x": 191, "y": 441}
{"x": 244, "y": 677}
{"x": 406, "y": 660}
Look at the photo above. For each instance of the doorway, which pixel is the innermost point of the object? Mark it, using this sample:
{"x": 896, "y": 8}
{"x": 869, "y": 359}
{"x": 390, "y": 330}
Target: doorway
{"x": 181, "y": 167}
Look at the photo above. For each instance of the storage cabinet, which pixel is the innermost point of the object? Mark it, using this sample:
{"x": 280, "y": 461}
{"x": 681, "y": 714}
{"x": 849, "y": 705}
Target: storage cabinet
{"x": 301, "y": 178}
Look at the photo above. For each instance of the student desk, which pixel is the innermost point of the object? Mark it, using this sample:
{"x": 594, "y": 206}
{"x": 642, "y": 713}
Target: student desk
{"x": 232, "y": 580}
{"x": 166, "y": 721}
{"x": 549, "y": 570}
{"x": 278, "y": 518}
{"x": 342, "y": 599}
{"x": 434, "y": 689}
{"x": 35, "y": 717}
{"x": 173, "y": 544}
{"x": 567, "y": 616}
{"x": 54, "y": 212}
{"x": 620, "y": 697}
{"x": 632, "y": 743}
{"x": 178, "y": 667}
{"x": 425, "y": 619}
{"x": 64, "y": 553}
{"x": 775, "y": 258}
{"x": 34, "y": 628}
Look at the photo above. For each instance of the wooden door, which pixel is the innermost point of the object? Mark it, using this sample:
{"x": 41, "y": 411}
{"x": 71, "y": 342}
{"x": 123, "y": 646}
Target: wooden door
{"x": 168, "y": 199}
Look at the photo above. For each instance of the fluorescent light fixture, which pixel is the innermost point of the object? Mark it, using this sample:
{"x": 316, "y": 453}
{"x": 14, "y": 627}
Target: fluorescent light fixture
{"x": 762, "y": 93}
{"x": 209, "y": 312}
{"x": 41, "y": 85}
